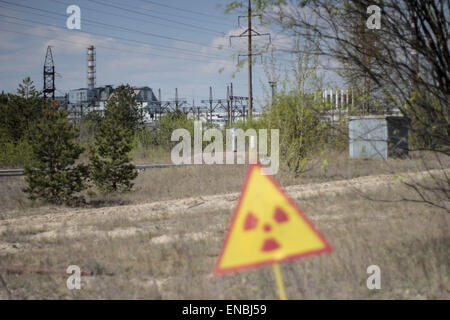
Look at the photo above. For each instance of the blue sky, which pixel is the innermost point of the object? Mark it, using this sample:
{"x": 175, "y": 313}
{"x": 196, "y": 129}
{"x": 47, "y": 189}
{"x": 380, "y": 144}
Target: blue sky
{"x": 181, "y": 47}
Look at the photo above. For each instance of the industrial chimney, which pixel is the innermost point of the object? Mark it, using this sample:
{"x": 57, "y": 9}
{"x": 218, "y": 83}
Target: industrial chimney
{"x": 90, "y": 67}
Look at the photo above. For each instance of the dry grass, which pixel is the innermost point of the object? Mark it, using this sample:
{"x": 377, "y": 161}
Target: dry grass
{"x": 151, "y": 155}
{"x": 171, "y": 256}
{"x": 181, "y": 182}
{"x": 167, "y": 249}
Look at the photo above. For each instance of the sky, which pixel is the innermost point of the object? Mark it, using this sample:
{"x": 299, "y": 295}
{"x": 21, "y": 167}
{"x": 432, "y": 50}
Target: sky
{"x": 160, "y": 44}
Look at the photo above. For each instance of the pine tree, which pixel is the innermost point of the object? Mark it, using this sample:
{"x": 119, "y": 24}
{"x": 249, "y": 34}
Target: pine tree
{"x": 123, "y": 107}
{"x": 27, "y": 89}
{"x": 53, "y": 176}
{"x": 110, "y": 169}
{"x": 19, "y": 111}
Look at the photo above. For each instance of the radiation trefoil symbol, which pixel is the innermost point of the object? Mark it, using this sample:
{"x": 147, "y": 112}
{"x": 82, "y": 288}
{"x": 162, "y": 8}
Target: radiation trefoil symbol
{"x": 267, "y": 227}
{"x": 270, "y": 243}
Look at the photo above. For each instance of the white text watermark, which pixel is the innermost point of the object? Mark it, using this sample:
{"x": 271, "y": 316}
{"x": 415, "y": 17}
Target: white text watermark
{"x": 235, "y": 147}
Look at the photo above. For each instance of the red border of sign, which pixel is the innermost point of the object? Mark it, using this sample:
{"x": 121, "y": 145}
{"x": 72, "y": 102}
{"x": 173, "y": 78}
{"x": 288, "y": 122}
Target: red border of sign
{"x": 328, "y": 247}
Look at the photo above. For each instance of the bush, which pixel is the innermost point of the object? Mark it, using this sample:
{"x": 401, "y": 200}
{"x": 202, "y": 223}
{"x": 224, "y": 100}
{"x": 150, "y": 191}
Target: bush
{"x": 169, "y": 122}
{"x": 301, "y": 132}
{"x": 429, "y": 122}
{"x": 16, "y": 154}
{"x": 256, "y": 124}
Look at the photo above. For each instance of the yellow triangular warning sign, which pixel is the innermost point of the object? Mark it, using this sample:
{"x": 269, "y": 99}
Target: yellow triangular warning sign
{"x": 267, "y": 227}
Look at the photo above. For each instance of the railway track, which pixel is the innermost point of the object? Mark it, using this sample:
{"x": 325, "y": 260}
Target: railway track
{"x": 19, "y": 172}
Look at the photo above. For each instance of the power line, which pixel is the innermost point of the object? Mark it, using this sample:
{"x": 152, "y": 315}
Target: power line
{"x": 122, "y": 16}
{"x": 118, "y": 27}
{"x": 134, "y": 11}
{"x": 156, "y": 17}
{"x": 122, "y": 28}
{"x": 117, "y": 37}
{"x": 179, "y": 9}
{"x": 206, "y": 19}
{"x": 285, "y": 50}
{"x": 100, "y": 46}
{"x": 185, "y": 51}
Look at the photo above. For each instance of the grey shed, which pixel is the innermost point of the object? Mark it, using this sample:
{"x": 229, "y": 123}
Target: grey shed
{"x": 378, "y": 137}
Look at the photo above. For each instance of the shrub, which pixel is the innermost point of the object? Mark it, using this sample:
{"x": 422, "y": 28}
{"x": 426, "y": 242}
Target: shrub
{"x": 169, "y": 122}
{"x": 301, "y": 132}
{"x": 16, "y": 154}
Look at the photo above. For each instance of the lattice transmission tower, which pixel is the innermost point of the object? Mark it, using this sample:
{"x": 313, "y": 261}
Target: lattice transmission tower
{"x": 49, "y": 75}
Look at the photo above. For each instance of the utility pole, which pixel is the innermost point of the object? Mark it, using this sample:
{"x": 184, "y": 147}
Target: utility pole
{"x": 159, "y": 103}
{"x": 273, "y": 85}
{"x": 249, "y": 33}
{"x": 414, "y": 55}
{"x": 171, "y": 104}
{"x": 195, "y": 110}
{"x": 231, "y": 103}
{"x": 210, "y": 105}
{"x": 250, "y": 76}
{"x": 221, "y": 104}
{"x": 228, "y": 105}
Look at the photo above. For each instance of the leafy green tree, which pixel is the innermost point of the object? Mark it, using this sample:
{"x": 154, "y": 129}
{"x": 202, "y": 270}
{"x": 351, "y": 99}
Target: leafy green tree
{"x": 16, "y": 154}
{"x": 53, "y": 175}
{"x": 296, "y": 110}
{"x": 169, "y": 122}
{"x": 403, "y": 65}
{"x": 110, "y": 169}
{"x": 302, "y": 134}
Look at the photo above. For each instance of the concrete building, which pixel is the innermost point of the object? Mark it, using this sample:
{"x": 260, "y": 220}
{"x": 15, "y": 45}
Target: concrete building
{"x": 82, "y": 101}
{"x": 148, "y": 103}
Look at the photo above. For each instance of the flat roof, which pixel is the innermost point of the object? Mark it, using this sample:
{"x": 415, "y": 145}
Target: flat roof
{"x": 375, "y": 117}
